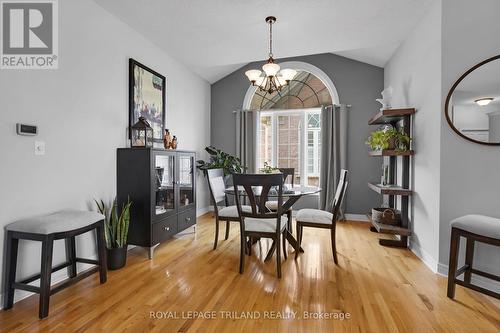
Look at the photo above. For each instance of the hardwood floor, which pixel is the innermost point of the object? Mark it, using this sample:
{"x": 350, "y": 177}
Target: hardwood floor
{"x": 381, "y": 289}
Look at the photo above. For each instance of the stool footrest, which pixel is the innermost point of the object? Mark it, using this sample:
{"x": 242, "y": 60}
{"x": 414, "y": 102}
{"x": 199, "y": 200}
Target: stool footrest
{"x": 477, "y": 288}
{"x": 37, "y": 276}
{"x": 485, "y": 274}
{"x": 73, "y": 280}
{"x": 87, "y": 261}
{"x": 462, "y": 270}
{"x": 26, "y": 287}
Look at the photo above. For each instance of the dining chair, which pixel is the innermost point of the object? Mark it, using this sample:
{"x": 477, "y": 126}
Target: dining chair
{"x": 317, "y": 218}
{"x": 271, "y": 205}
{"x": 259, "y": 222}
{"x": 217, "y": 193}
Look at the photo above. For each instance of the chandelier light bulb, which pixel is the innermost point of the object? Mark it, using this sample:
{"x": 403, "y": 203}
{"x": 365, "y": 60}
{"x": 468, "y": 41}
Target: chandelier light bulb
{"x": 288, "y": 74}
{"x": 281, "y": 81}
{"x": 271, "y": 69}
{"x": 253, "y": 74}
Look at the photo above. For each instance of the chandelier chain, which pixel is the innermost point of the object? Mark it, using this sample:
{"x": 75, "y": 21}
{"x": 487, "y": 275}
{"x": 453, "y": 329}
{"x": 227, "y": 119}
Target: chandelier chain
{"x": 270, "y": 39}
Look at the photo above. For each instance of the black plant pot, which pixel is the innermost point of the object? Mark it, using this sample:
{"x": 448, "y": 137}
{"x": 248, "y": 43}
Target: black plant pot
{"x": 117, "y": 257}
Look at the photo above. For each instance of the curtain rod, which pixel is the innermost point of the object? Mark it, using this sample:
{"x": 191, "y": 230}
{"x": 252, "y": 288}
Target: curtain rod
{"x": 240, "y": 110}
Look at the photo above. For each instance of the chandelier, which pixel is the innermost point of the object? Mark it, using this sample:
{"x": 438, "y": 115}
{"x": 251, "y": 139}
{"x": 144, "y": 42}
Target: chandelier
{"x": 271, "y": 78}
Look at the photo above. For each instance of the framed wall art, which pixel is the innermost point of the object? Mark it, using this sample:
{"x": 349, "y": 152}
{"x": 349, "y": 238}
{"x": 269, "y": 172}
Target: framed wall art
{"x": 147, "y": 90}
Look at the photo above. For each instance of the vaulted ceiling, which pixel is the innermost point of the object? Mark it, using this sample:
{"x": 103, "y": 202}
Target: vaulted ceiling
{"x": 215, "y": 37}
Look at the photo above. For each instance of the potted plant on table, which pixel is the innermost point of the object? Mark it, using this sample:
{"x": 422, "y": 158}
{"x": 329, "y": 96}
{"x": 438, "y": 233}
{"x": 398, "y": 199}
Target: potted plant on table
{"x": 221, "y": 160}
{"x": 116, "y": 232}
{"x": 269, "y": 169}
{"x": 389, "y": 138}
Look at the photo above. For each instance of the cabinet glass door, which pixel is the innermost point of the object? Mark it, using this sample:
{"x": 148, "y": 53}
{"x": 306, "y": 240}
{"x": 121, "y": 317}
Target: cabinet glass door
{"x": 164, "y": 184}
{"x": 186, "y": 180}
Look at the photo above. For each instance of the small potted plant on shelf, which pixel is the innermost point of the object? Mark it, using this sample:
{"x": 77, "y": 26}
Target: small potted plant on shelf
{"x": 221, "y": 160}
{"x": 389, "y": 138}
{"x": 116, "y": 232}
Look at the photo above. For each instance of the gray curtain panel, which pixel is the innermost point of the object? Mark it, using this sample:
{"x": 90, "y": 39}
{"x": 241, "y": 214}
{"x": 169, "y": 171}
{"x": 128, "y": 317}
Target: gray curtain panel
{"x": 246, "y": 121}
{"x": 333, "y": 151}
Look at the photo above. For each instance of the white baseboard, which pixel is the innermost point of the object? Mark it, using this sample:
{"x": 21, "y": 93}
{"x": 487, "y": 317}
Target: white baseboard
{"x": 203, "y": 210}
{"x": 425, "y": 257}
{"x": 475, "y": 279}
{"x": 356, "y": 217}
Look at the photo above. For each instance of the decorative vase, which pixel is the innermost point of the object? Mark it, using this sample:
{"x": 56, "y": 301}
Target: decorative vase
{"x": 117, "y": 257}
{"x": 167, "y": 139}
{"x": 173, "y": 144}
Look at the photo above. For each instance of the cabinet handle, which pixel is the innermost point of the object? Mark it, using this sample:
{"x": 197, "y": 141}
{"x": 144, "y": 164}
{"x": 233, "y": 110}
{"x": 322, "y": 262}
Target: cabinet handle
{"x": 166, "y": 228}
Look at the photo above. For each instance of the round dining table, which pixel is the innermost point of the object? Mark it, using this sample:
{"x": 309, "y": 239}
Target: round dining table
{"x": 290, "y": 196}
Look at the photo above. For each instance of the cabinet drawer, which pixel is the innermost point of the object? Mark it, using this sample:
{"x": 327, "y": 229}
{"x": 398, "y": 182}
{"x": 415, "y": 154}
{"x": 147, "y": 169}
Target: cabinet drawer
{"x": 164, "y": 229}
{"x": 186, "y": 219}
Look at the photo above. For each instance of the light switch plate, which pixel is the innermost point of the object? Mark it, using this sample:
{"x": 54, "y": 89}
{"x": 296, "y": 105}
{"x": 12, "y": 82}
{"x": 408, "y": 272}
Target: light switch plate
{"x": 39, "y": 148}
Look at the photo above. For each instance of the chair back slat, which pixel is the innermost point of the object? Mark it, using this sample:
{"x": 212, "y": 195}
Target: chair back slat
{"x": 216, "y": 185}
{"x": 340, "y": 194}
{"x": 257, "y": 188}
{"x": 340, "y": 186}
{"x": 288, "y": 172}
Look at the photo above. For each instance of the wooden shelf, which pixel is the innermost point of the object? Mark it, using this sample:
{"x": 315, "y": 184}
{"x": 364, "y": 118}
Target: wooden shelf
{"x": 389, "y": 229}
{"x": 390, "y": 190}
{"x": 391, "y": 153}
{"x": 390, "y": 116}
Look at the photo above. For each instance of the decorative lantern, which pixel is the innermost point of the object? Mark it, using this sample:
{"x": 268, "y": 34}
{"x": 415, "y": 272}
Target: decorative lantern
{"x": 142, "y": 134}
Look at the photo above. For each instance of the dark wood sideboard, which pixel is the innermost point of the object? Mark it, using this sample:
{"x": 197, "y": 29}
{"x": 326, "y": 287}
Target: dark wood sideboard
{"x": 162, "y": 186}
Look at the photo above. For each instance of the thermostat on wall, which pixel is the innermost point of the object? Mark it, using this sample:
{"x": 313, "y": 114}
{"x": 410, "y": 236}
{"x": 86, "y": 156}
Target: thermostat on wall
{"x": 23, "y": 129}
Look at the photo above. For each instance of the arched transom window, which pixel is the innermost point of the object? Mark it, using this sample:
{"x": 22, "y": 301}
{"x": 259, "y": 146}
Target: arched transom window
{"x": 304, "y": 91}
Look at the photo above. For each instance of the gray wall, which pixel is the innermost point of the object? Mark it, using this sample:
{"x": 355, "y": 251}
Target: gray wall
{"x": 414, "y": 73}
{"x": 357, "y": 83}
{"x": 470, "y": 181}
{"x": 82, "y": 113}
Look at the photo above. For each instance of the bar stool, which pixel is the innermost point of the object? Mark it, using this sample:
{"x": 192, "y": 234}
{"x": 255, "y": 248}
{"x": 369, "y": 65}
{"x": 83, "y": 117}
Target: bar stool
{"x": 475, "y": 228}
{"x": 61, "y": 225}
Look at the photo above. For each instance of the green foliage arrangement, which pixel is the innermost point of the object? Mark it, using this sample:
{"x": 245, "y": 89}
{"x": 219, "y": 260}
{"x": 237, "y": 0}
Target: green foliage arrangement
{"x": 389, "y": 138}
{"x": 221, "y": 160}
{"x": 268, "y": 168}
{"x": 115, "y": 226}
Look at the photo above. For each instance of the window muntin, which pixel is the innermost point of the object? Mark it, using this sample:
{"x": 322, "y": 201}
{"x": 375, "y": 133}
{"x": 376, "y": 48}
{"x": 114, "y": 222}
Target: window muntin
{"x": 285, "y": 142}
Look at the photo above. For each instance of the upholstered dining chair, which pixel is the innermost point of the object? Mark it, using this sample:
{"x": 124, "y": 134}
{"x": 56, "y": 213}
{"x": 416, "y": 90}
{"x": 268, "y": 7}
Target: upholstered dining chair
{"x": 217, "y": 193}
{"x": 317, "y": 218}
{"x": 259, "y": 222}
{"x": 288, "y": 173}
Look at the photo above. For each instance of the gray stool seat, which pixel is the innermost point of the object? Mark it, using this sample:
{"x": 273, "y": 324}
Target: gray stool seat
{"x": 474, "y": 228}
{"x": 61, "y": 221}
{"x": 479, "y": 225}
{"x": 46, "y": 229}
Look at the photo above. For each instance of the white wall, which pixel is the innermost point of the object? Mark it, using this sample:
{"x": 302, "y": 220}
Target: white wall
{"x": 81, "y": 110}
{"x": 470, "y": 182}
{"x": 414, "y": 73}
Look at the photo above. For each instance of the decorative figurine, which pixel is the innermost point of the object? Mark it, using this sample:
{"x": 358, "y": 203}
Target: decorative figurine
{"x": 167, "y": 139}
{"x": 386, "y": 99}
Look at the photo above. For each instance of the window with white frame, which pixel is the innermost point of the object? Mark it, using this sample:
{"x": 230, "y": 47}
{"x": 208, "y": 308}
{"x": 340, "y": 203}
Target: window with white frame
{"x": 291, "y": 139}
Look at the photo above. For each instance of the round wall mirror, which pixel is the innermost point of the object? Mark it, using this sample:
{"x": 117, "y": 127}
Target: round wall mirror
{"x": 473, "y": 103}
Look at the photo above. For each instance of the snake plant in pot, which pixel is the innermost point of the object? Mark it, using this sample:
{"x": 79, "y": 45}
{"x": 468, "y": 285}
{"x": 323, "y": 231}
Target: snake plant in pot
{"x": 116, "y": 231}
